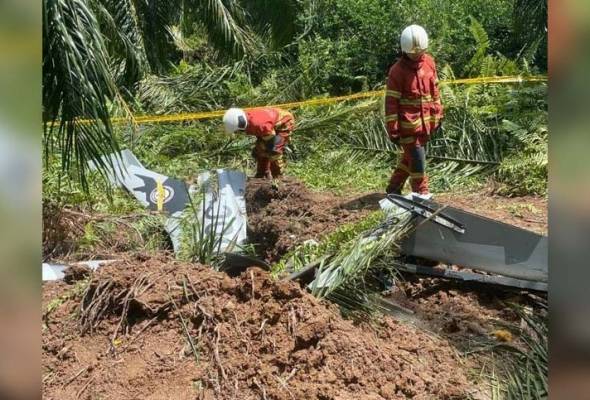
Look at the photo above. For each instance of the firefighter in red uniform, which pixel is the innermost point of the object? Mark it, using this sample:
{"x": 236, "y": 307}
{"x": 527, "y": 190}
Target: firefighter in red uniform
{"x": 413, "y": 110}
{"x": 272, "y": 128}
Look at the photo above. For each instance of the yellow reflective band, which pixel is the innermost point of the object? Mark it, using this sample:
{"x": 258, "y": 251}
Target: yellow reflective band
{"x": 416, "y": 175}
{"x": 390, "y": 118}
{"x": 403, "y": 167}
{"x": 407, "y": 140}
{"x": 393, "y": 93}
{"x": 275, "y": 157}
{"x": 411, "y": 124}
{"x": 268, "y": 137}
{"x": 416, "y": 101}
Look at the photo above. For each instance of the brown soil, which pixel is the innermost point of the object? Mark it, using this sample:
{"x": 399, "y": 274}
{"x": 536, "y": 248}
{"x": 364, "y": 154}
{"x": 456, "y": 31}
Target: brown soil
{"x": 279, "y": 219}
{"x": 254, "y": 338}
{"x": 527, "y": 212}
{"x": 61, "y": 230}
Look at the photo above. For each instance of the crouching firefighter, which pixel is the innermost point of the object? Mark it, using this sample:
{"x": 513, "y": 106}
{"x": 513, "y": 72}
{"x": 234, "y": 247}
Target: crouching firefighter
{"x": 413, "y": 110}
{"x": 272, "y": 128}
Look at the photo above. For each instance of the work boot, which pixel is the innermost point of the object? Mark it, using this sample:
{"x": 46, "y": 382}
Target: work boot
{"x": 266, "y": 175}
{"x": 390, "y": 189}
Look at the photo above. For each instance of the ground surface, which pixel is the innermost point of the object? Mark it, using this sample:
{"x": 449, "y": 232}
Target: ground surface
{"x": 279, "y": 219}
{"x": 253, "y": 338}
{"x": 257, "y": 338}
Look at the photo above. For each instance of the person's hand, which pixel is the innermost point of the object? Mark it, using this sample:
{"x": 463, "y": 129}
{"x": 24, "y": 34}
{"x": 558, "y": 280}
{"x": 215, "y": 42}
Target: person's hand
{"x": 439, "y": 129}
{"x": 394, "y": 139}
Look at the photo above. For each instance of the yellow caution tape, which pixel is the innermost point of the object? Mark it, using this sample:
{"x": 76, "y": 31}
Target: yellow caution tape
{"x": 151, "y": 119}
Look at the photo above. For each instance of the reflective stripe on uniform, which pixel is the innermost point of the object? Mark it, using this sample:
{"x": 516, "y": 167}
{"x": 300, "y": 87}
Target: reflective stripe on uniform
{"x": 411, "y": 124}
{"x": 416, "y": 101}
{"x": 417, "y": 175}
{"x": 432, "y": 118}
{"x": 268, "y": 137}
{"x": 403, "y": 167}
{"x": 407, "y": 140}
{"x": 285, "y": 118}
{"x": 390, "y": 118}
{"x": 393, "y": 93}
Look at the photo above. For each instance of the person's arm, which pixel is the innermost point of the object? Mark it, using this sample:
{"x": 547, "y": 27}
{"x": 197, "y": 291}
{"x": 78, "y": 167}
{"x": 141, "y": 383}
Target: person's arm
{"x": 438, "y": 108}
{"x": 392, "y": 96}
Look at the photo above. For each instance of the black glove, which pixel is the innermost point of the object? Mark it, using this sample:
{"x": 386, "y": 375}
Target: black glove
{"x": 439, "y": 129}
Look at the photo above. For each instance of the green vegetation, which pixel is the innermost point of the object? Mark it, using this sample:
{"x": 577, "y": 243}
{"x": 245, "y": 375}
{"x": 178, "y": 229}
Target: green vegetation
{"x": 140, "y": 57}
{"x": 104, "y": 59}
{"x": 528, "y": 369}
{"x": 333, "y": 243}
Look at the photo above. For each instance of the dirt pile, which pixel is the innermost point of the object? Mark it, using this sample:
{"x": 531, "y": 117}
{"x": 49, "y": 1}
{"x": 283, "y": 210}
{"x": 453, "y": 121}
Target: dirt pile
{"x": 160, "y": 329}
{"x": 283, "y": 217}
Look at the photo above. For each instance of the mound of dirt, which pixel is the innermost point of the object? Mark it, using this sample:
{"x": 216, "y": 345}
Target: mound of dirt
{"x": 160, "y": 329}
{"x": 281, "y": 218}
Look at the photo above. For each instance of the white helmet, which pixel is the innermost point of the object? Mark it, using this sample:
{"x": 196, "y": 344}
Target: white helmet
{"x": 414, "y": 39}
{"x": 234, "y": 119}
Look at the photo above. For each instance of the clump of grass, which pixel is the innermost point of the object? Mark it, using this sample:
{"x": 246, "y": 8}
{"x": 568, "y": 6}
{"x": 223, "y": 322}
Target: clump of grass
{"x": 331, "y": 244}
{"x": 527, "y": 368}
{"x": 341, "y": 171}
{"x": 202, "y": 241}
{"x": 348, "y": 278}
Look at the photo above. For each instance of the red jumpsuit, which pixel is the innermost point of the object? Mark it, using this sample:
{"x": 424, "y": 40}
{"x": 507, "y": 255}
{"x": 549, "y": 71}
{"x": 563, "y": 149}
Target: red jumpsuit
{"x": 412, "y": 113}
{"x": 272, "y": 128}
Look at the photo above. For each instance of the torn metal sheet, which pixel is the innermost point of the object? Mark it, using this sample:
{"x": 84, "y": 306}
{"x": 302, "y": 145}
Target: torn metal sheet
{"x": 486, "y": 245}
{"x": 224, "y": 202}
{"x": 126, "y": 158}
{"x": 468, "y": 276}
{"x": 54, "y": 272}
{"x": 224, "y": 207}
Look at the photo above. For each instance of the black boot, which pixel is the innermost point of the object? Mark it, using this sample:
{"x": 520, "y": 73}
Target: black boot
{"x": 392, "y": 190}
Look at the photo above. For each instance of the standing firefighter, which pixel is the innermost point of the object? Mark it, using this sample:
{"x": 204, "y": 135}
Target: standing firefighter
{"x": 413, "y": 110}
{"x": 272, "y": 128}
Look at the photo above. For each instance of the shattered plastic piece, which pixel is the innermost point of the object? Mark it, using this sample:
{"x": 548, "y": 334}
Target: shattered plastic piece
{"x": 54, "y": 272}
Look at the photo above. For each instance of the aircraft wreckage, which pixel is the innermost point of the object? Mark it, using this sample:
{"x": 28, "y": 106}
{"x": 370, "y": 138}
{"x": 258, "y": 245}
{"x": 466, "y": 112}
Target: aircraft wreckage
{"x": 486, "y": 251}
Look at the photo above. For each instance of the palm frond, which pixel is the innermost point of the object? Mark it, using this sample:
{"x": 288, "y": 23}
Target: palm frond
{"x": 77, "y": 84}
{"x": 482, "y": 44}
{"x": 225, "y": 23}
{"x": 527, "y": 369}
{"x": 200, "y": 88}
{"x": 278, "y": 16}
{"x": 120, "y": 23}
{"x": 530, "y": 25}
{"x": 348, "y": 277}
{"x": 156, "y": 17}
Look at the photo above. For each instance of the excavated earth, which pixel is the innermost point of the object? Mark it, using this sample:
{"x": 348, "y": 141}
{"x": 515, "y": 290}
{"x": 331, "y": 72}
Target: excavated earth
{"x": 155, "y": 328}
{"x": 281, "y": 218}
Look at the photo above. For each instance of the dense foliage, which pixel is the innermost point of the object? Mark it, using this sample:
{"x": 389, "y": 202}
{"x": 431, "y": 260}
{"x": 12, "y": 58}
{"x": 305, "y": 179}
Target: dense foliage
{"x": 208, "y": 55}
{"x": 104, "y": 58}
